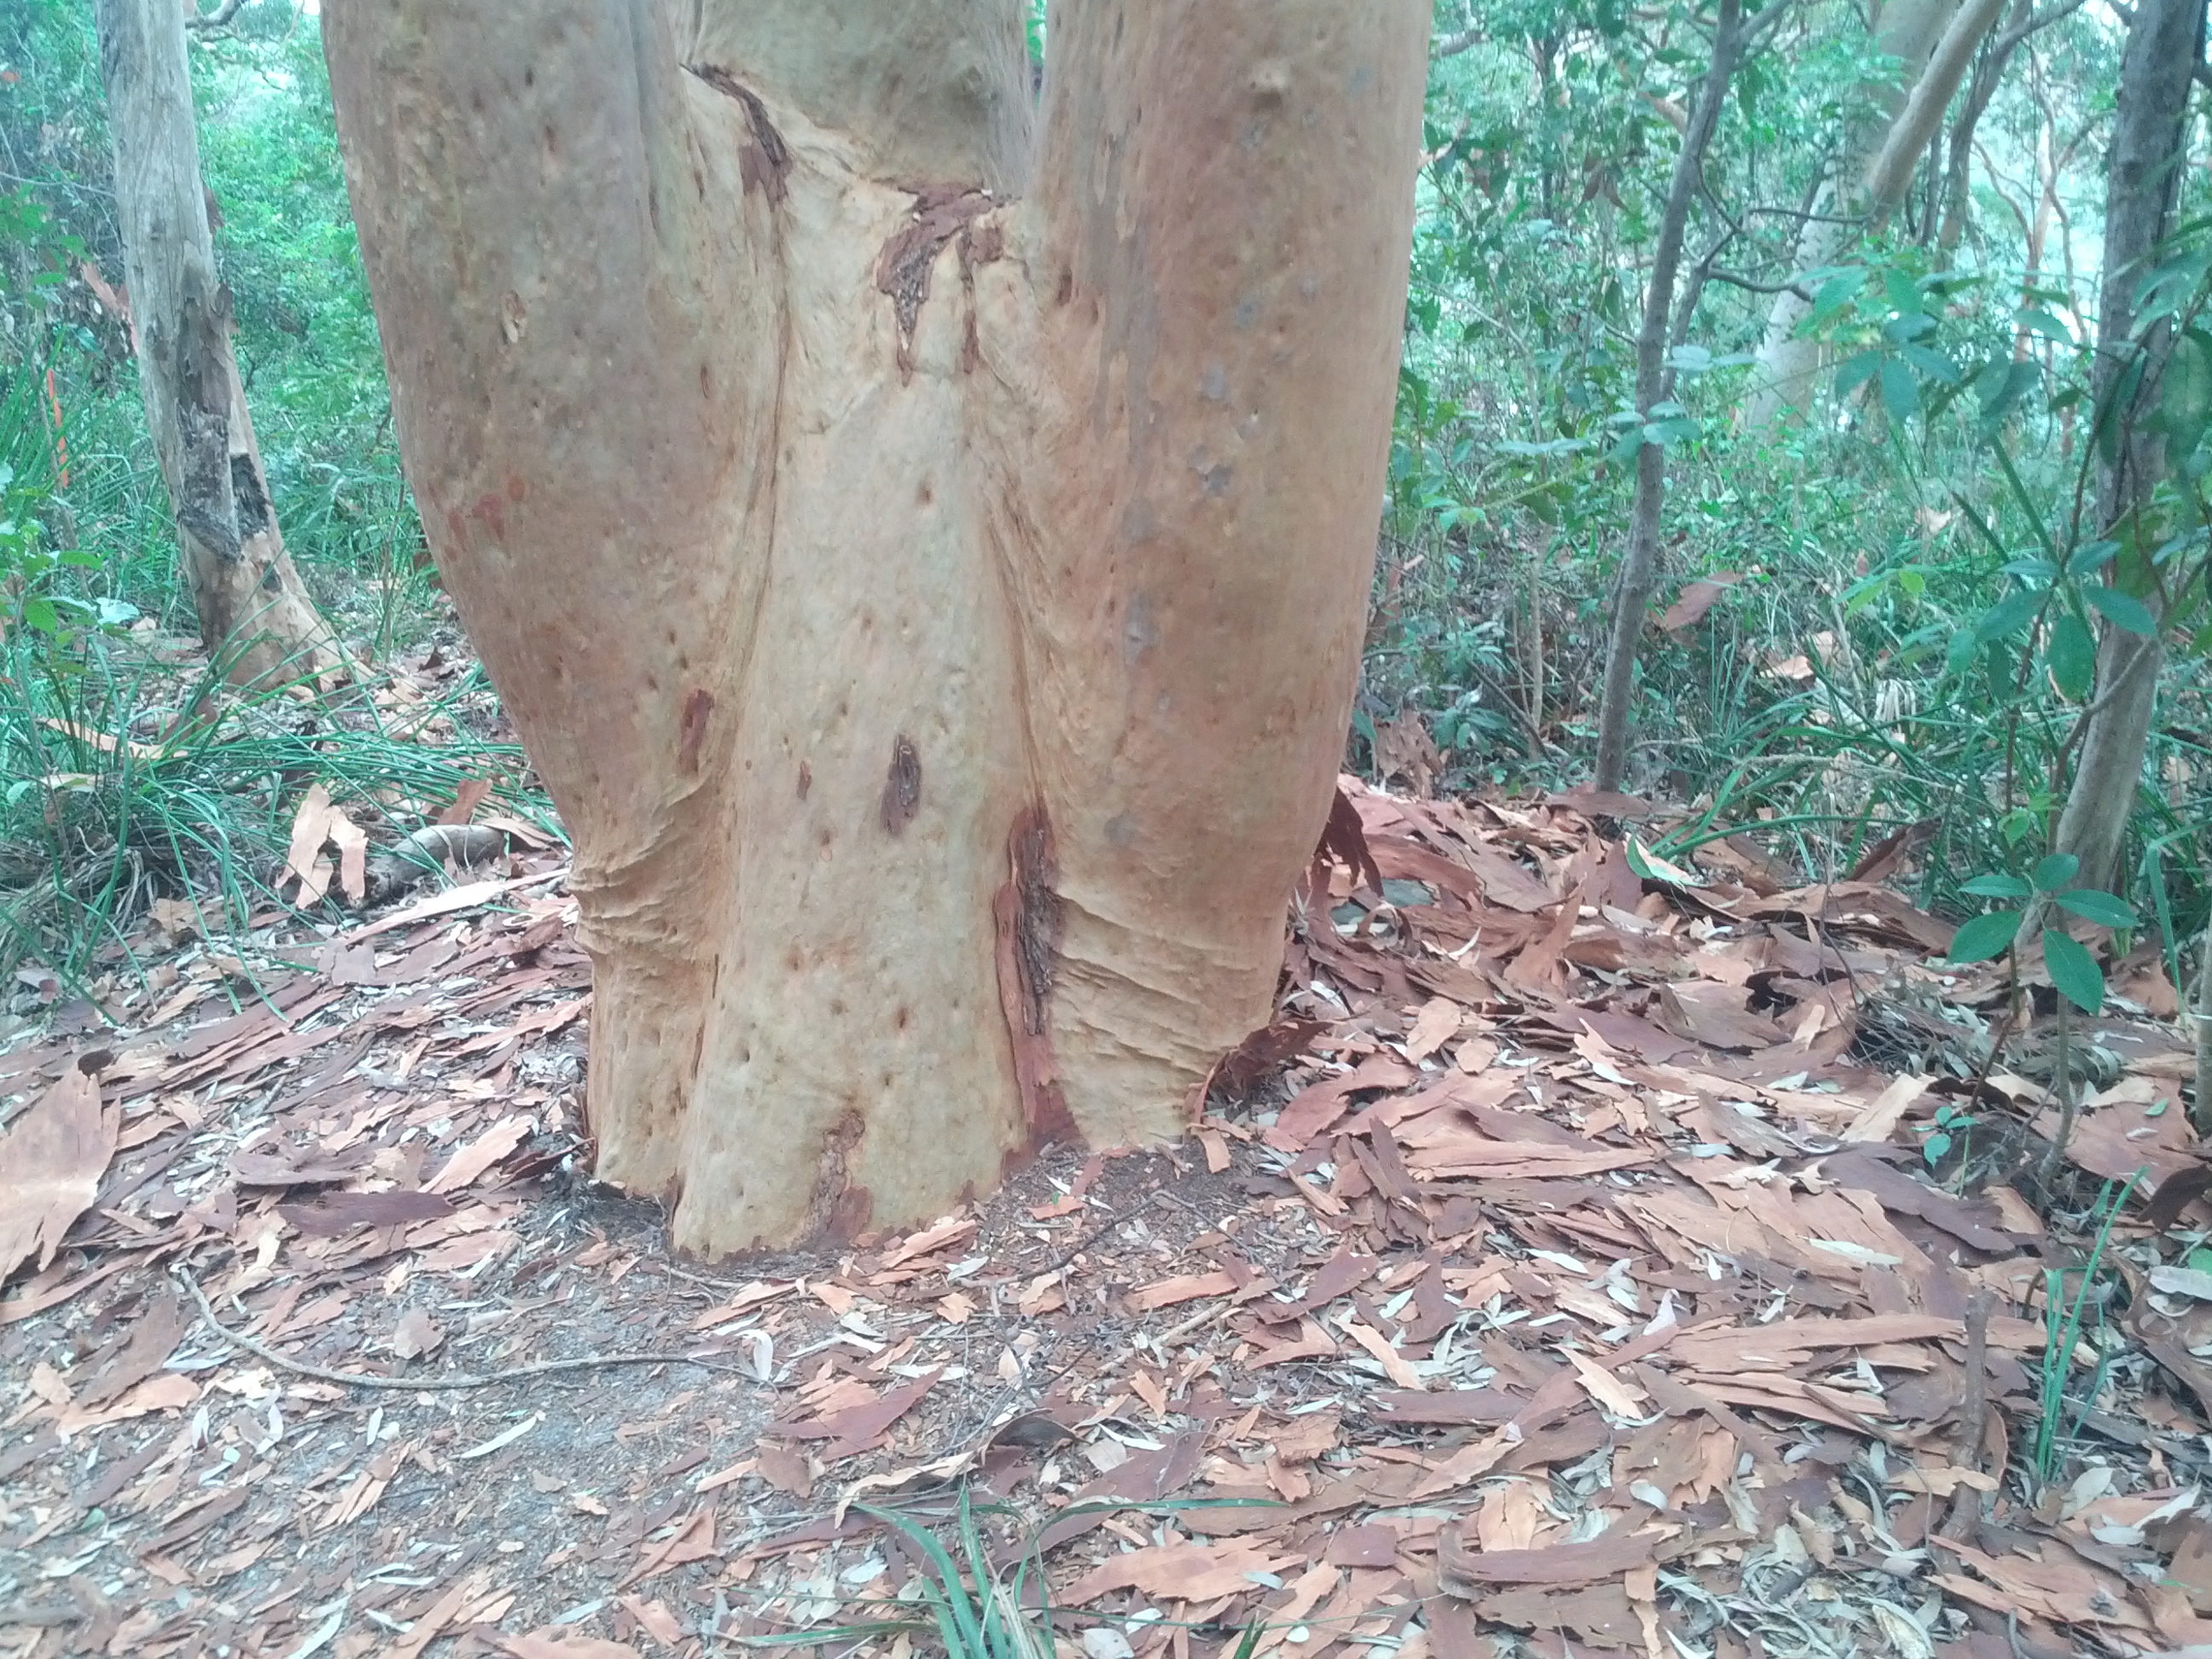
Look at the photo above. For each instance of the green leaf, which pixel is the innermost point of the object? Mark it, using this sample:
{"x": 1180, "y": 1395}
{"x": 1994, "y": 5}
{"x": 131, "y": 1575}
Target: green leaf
{"x": 2036, "y": 320}
{"x": 2074, "y": 970}
{"x": 2008, "y": 616}
{"x": 1985, "y": 937}
{"x": 2092, "y": 904}
{"x": 1855, "y": 372}
{"x": 2122, "y": 610}
{"x": 1901, "y": 392}
{"x": 1998, "y": 886}
{"x": 2002, "y": 383}
{"x": 2184, "y": 394}
{"x": 2054, "y": 872}
{"x": 2092, "y": 555}
{"x": 1934, "y": 364}
{"x": 1837, "y": 292}
{"x": 2070, "y": 653}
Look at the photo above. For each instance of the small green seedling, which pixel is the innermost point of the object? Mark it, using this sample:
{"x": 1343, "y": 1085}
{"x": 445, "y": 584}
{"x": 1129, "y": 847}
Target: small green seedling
{"x": 1950, "y": 1126}
{"x": 2074, "y": 970}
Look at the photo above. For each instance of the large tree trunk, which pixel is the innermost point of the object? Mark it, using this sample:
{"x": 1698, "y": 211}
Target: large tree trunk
{"x": 255, "y": 618}
{"x": 925, "y": 561}
{"x": 1784, "y": 371}
{"x": 2143, "y": 180}
{"x": 1639, "y": 562}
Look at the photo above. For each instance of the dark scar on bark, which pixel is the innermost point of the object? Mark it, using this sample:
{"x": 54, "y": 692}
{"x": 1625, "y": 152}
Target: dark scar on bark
{"x": 839, "y": 1207}
{"x": 805, "y": 779}
{"x": 1039, "y": 919}
{"x": 768, "y": 158}
{"x": 693, "y": 730}
{"x": 1028, "y": 917}
{"x": 903, "y": 787}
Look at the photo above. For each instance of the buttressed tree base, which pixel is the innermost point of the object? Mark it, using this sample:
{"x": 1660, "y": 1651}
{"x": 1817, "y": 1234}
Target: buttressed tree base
{"x": 921, "y": 530}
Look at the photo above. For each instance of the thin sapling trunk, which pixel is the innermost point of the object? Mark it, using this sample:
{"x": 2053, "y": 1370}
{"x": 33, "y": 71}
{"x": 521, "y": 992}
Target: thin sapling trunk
{"x": 1638, "y": 573}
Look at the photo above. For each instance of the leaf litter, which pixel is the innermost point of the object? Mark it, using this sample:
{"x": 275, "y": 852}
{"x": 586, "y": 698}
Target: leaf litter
{"x": 1571, "y": 1267}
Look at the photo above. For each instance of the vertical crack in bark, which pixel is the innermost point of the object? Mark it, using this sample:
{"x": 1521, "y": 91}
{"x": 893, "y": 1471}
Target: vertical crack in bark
{"x": 903, "y": 270}
{"x": 839, "y": 1207}
{"x": 768, "y": 158}
{"x": 1027, "y": 918}
{"x": 903, "y": 787}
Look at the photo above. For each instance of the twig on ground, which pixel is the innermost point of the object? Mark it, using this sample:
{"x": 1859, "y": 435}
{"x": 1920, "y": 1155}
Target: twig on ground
{"x": 430, "y": 1384}
{"x": 2202, "y": 1114}
{"x": 1965, "y": 1500}
{"x": 1097, "y": 1233}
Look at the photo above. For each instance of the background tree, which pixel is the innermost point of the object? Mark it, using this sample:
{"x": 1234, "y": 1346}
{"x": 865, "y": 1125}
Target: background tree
{"x": 1654, "y": 384}
{"x": 2143, "y": 171}
{"x": 255, "y": 618}
{"x": 923, "y": 558}
{"x": 1863, "y": 181}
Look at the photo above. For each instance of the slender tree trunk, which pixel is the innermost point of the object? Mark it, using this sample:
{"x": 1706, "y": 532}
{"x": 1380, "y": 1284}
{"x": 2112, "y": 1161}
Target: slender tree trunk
{"x": 1788, "y": 364}
{"x": 1915, "y": 126}
{"x": 2143, "y": 172}
{"x": 2202, "y": 1116}
{"x": 255, "y": 618}
{"x": 1988, "y": 72}
{"x": 1640, "y": 564}
{"x": 926, "y": 563}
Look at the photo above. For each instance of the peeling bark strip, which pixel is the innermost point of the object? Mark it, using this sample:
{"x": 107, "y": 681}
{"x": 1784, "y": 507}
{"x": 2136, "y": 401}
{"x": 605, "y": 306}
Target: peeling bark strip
{"x": 1027, "y": 917}
{"x": 768, "y": 158}
{"x": 940, "y": 213}
{"x": 902, "y": 788}
{"x": 692, "y": 731}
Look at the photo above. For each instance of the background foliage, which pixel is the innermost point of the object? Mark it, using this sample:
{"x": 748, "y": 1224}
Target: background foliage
{"x": 1909, "y": 586}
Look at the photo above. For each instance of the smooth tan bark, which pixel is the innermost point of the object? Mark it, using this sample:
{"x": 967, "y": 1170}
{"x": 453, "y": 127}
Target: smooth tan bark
{"x": 925, "y": 556}
{"x": 255, "y": 618}
{"x": 1890, "y": 172}
{"x": 2143, "y": 171}
{"x": 1788, "y": 363}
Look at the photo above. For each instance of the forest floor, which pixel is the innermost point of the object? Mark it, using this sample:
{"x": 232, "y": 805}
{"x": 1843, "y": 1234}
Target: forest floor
{"x": 1577, "y": 1264}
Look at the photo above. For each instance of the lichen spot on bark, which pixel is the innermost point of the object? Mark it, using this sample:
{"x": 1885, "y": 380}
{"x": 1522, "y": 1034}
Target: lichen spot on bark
{"x": 903, "y": 787}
